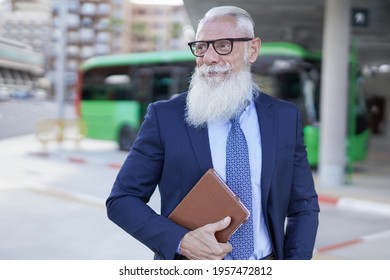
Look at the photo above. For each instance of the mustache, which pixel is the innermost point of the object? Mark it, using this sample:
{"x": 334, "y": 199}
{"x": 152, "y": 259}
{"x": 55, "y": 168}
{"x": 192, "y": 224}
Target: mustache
{"x": 205, "y": 70}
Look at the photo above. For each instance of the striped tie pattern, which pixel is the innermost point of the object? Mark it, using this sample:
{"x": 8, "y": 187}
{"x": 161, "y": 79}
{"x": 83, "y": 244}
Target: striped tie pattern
{"x": 239, "y": 180}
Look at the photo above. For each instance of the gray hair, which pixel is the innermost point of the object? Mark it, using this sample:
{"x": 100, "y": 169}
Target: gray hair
{"x": 243, "y": 18}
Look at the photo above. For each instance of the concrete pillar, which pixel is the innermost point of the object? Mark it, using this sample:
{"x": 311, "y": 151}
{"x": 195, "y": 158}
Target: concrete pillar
{"x": 334, "y": 93}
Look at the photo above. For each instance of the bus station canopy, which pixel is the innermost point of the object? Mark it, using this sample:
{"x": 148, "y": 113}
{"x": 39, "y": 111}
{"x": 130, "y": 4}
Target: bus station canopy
{"x": 302, "y": 22}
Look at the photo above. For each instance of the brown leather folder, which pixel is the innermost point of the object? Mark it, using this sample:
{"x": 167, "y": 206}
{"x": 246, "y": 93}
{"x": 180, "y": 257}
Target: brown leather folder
{"x": 209, "y": 201}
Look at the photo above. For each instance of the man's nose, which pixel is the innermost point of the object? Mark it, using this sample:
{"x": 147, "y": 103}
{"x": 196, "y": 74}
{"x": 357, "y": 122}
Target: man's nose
{"x": 211, "y": 56}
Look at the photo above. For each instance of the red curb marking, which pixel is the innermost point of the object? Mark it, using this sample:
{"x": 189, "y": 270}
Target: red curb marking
{"x": 114, "y": 165}
{"x": 339, "y": 245}
{"x": 77, "y": 160}
{"x": 328, "y": 199}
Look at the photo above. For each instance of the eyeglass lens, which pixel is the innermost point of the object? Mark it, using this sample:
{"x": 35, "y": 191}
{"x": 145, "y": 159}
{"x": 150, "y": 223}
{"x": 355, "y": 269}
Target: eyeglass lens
{"x": 220, "y": 46}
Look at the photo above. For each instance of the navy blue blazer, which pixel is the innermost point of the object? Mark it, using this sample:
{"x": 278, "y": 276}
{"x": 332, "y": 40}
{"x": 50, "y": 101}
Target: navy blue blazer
{"x": 172, "y": 155}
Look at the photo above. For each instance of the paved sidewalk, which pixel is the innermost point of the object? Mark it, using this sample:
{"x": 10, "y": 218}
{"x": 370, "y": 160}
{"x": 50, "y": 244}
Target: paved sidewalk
{"x": 367, "y": 192}
{"x": 369, "y": 186}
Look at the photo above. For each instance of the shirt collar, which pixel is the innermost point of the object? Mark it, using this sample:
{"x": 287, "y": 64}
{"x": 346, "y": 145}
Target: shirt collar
{"x": 250, "y": 103}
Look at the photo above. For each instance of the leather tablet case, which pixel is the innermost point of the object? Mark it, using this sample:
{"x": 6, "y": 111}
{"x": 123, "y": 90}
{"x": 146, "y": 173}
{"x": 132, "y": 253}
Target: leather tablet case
{"x": 209, "y": 201}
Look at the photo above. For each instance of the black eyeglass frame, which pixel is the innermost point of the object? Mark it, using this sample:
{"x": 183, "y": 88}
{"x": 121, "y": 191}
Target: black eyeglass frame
{"x": 231, "y": 40}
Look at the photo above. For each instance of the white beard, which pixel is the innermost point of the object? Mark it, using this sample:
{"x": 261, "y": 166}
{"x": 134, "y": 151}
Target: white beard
{"x": 213, "y": 99}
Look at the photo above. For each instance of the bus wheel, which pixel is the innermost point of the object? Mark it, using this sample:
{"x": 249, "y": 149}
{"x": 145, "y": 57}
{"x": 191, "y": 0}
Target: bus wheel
{"x": 126, "y": 138}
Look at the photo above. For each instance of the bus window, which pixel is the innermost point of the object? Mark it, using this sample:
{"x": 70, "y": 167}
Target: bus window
{"x": 161, "y": 86}
{"x": 181, "y": 77}
{"x": 162, "y": 82}
{"x": 143, "y": 77}
{"x": 310, "y": 93}
{"x": 107, "y": 84}
{"x": 289, "y": 86}
{"x": 294, "y": 87}
{"x": 266, "y": 83}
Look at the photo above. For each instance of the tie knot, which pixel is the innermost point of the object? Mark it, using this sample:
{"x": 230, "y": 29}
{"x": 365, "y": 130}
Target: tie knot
{"x": 236, "y": 119}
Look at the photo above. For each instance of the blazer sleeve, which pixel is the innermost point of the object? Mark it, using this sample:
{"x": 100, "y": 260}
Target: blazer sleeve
{"x": 133, "y": 187}
{"x": 302, "y": 213}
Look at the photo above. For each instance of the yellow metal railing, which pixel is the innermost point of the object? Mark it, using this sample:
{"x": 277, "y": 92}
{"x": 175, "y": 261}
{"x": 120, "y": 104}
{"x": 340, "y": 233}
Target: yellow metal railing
{"x": 58, "y": 130}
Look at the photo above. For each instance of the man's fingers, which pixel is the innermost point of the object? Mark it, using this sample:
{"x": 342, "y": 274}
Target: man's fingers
{"x": 220, "y": 225}
{"x": 202, "y": 244}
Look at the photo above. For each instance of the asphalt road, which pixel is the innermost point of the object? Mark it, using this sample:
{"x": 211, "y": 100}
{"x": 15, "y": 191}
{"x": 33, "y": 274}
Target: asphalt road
{"x": 18, "y": 116}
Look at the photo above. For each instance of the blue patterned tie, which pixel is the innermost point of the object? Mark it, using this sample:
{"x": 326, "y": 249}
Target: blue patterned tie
{"x": 238, "y": 178}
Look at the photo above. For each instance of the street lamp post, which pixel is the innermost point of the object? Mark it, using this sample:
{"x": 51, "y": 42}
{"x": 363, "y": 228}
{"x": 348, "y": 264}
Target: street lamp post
{"x": 61, "y": 59}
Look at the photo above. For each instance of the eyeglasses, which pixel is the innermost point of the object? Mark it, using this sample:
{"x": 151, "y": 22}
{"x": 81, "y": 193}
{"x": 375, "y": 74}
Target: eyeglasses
{"x": 221, "y": 46}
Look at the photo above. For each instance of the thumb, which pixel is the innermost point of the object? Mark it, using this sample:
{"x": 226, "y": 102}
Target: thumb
{"x": 220, "y": 225}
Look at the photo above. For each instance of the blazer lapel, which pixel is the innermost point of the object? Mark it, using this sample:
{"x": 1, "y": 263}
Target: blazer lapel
{"x": 201, "y": 147}
{"x": 268, "y": 130}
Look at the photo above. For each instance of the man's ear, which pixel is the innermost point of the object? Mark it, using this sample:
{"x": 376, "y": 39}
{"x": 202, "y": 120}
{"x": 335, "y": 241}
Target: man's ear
{"x": 254, "y": 49}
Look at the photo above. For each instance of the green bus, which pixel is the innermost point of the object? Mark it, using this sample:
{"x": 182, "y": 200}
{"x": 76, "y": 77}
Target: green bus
{"x": 113, "y": 91}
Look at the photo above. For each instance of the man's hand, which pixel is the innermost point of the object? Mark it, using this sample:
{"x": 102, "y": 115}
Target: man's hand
{"x": 201, "y": 244}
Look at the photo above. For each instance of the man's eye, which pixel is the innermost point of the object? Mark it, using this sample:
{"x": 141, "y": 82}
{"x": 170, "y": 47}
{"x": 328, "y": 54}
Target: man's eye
{"x": 224, "y": 45}
{"x": 200, "y": 47}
